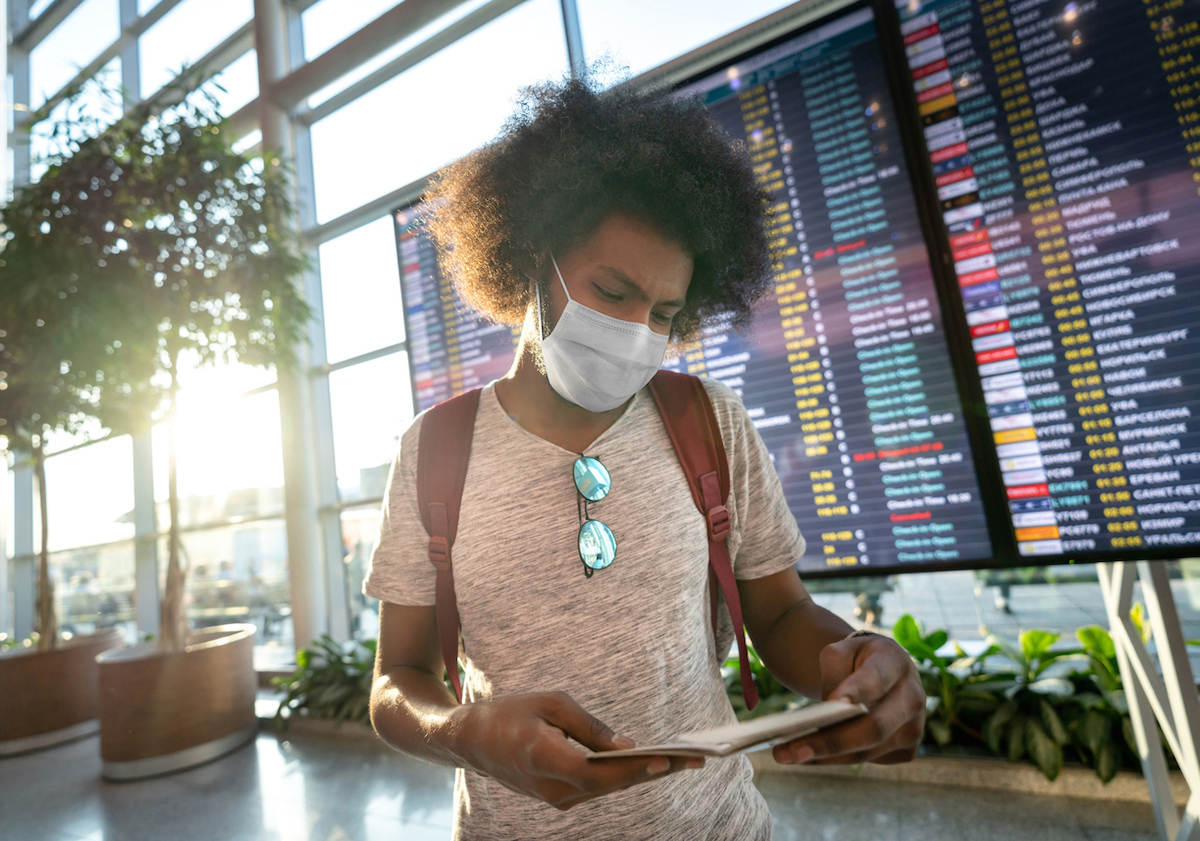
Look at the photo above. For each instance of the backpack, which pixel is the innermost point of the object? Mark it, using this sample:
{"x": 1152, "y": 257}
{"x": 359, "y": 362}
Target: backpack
{"x": 445, "y": 449}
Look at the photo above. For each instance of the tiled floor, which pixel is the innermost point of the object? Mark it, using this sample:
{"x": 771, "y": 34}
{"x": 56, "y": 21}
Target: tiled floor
{"x": 317, "y": 789}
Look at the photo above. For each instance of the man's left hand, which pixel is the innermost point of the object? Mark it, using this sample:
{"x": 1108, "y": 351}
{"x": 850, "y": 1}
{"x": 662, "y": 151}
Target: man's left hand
{"x": 875, "y": 671}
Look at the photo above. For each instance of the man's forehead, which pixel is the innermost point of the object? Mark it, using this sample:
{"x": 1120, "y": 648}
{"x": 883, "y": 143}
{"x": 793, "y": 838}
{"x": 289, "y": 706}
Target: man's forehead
{"x": 632, "y": 287}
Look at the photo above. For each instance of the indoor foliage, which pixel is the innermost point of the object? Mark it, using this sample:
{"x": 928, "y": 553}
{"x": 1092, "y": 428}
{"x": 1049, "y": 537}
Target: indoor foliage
{"x": 332, "y": 681}
{"x": 147, "y": 245}
{"x": 1018, "y": 700}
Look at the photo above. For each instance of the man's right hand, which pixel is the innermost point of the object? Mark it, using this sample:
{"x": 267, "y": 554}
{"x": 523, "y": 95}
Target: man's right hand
{"x": 521, "y": 741}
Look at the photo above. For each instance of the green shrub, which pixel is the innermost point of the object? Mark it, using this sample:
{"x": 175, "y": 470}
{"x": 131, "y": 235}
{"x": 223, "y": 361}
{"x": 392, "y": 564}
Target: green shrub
{"x": 332, "y": 681}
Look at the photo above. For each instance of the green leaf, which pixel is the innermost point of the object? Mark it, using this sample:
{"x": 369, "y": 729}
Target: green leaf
{"x": 1016, "y": 739}
{"x": 906, "y": 632}
{"x": 1046, "y": 753}
{"x": 940, "y": 731}
{"x": 1057, "y": 686}
{"x": 1127, "y": 732}
{"x": 1052, "y": 723}
{"x": 1108, "y": 761}
{"x": 1095, "y": 731}
{"x": 1141, "y": 621}
{"x": 936, "y": 639}
{"x": 993, "y": 728}
{"x": 1097, "y": 641}
{"x": 1035, "y": 643}
{"x": 1008, "y": 650}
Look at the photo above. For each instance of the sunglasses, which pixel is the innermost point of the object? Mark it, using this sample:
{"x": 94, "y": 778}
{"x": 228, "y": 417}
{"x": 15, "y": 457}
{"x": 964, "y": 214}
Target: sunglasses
{"x": 597, "y": 546}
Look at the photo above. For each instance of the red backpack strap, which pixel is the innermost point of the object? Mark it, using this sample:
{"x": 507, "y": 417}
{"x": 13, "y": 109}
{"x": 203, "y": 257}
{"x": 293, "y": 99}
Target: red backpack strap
{"x": 688, "y": 416}
{"x": 442, "y": 456}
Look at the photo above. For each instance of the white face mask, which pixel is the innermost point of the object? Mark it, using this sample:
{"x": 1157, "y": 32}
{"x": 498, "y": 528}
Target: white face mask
{"x": 597, "y": 361}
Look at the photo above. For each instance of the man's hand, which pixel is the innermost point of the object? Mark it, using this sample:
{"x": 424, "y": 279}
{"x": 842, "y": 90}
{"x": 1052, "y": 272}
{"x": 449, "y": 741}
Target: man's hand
{"x": 521, "y": 742}
{"x": 875, "y": 671}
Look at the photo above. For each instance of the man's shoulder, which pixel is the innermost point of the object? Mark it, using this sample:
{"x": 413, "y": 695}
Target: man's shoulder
{"x": 722, "y": 396}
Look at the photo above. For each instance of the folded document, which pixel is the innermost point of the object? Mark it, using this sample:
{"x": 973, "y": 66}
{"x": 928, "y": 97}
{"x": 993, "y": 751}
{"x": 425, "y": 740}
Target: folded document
{"x": 745, "y": 736}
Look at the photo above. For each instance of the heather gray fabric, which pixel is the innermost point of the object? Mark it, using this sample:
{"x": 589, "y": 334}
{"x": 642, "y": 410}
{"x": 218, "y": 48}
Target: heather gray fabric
{"x": 633, "y": 644}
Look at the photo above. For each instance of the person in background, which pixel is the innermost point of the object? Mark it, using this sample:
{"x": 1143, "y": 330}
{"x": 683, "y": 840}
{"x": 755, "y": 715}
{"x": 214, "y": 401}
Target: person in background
{"x": 608, "y": 225}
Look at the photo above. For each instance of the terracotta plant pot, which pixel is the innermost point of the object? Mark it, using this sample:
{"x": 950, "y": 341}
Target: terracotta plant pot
{"x": 49, "y": 697}
{"x": 166, "y": 712}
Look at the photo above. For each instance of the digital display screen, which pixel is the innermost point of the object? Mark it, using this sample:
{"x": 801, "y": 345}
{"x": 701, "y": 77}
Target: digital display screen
{"x": 1063, "y": 143}
{"x": 846, "y": 373}
{"x": 451, "y": 348}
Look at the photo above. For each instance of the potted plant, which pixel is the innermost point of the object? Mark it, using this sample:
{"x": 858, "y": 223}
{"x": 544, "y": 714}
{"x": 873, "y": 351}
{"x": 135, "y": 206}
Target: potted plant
{"x": 52, "y": 375}
{"x": 190, "y": 246}
{"x": 50, "y": 695}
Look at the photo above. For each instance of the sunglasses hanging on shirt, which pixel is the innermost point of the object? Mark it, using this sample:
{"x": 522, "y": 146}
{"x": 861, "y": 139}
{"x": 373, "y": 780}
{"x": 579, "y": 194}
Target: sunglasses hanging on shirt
{"x": 597, "y": 546}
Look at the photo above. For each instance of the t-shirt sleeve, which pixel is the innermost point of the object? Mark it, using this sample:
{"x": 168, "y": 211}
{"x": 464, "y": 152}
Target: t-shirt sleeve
{"x": 764, "y": 538}
{"x": 400, "y": 571}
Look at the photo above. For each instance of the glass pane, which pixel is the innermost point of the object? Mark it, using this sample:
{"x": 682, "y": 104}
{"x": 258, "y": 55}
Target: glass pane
{"x": 329, "y": 22}
{"x": 333, "y": 33}
{"x": 186, "y": 34}
{"x": 94, "y": 589}
{"x": 436, "y": 111}
{"x": 372, "y": 405}
{"x": 90, "y": 495}
{"x": 230, "y": 460}
{"x": 202, "y": 384}
{"x": 71, "y": 46}
{"x": 94, "y": 110}
{"x": 360, "y": 291}
{"x": 8, "y": 514}
{"x": 240, "y": 82}
{"x": 644, "y": 35}
{"x": 239, "y": 573}
{"x": 37, "y": 7}
{"x": 360, "y": 530}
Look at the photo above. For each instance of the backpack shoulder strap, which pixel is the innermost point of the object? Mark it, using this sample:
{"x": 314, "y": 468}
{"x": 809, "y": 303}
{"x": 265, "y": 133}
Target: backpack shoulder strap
{"x": 692, "y": 427}
{"x": 442, "y": 456}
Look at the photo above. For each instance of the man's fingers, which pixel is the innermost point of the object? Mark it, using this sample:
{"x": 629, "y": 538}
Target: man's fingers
{"x": 874, "y": 676}
{"x": 563, "y": 712}
{"x": 837, "y": 662}
{"x": 854, "y": 736}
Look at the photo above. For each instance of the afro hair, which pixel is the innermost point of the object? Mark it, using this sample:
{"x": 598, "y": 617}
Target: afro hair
{"x": 569, "y": 157}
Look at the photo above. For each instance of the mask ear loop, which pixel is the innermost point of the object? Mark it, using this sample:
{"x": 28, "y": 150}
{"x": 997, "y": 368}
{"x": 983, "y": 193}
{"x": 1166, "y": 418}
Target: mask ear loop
{"x": 537, "y": 291}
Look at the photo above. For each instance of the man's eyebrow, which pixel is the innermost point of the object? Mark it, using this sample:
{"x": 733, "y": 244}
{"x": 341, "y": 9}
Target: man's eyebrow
{"x": 634, "y": 288}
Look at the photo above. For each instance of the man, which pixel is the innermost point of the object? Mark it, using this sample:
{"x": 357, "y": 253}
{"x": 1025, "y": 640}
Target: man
{"x": 607, "y": 226}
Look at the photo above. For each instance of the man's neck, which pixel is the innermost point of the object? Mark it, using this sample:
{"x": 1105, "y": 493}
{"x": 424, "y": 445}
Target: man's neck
{"x": 528, "y": 398}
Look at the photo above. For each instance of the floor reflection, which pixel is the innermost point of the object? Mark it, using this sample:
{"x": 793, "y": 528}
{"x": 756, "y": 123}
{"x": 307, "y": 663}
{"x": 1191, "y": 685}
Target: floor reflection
{"x": 345, "y": 789}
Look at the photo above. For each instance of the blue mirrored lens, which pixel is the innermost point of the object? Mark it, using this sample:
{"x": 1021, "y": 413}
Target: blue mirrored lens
{"x": 597, "y": 546}
{"x": 591, "y": 478}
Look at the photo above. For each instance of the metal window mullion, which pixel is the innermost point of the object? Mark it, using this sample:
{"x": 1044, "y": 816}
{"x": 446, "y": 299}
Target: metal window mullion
{"x": 18, "y": 66}
{"x": 337, "y": 603}
{"x": 131, "y": 63}
{"x": 574, "y": 36}
{"x": 434, "y": 44}
{"x": 127, "y": 35}
{"x": 29, "y": 33}
{"x": 369, "y": 356}
{"x": 369, "y": 212}
{"x": 393, "y": 26}
{"x": 310, "y": 617}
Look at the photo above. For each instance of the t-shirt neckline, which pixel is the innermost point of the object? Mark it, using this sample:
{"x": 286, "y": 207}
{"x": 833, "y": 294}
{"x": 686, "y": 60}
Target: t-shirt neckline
{"x": 493, "y": 402}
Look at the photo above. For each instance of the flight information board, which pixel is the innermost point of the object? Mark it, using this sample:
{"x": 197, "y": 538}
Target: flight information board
{"x": 1063, "y": 142}
{"x": 451, "y": 348}
{"x": 846, "y": 372}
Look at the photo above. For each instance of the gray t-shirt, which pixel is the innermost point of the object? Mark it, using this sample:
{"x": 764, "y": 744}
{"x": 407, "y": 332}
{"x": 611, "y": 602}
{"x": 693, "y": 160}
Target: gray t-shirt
{"x": 633, "y": 644}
